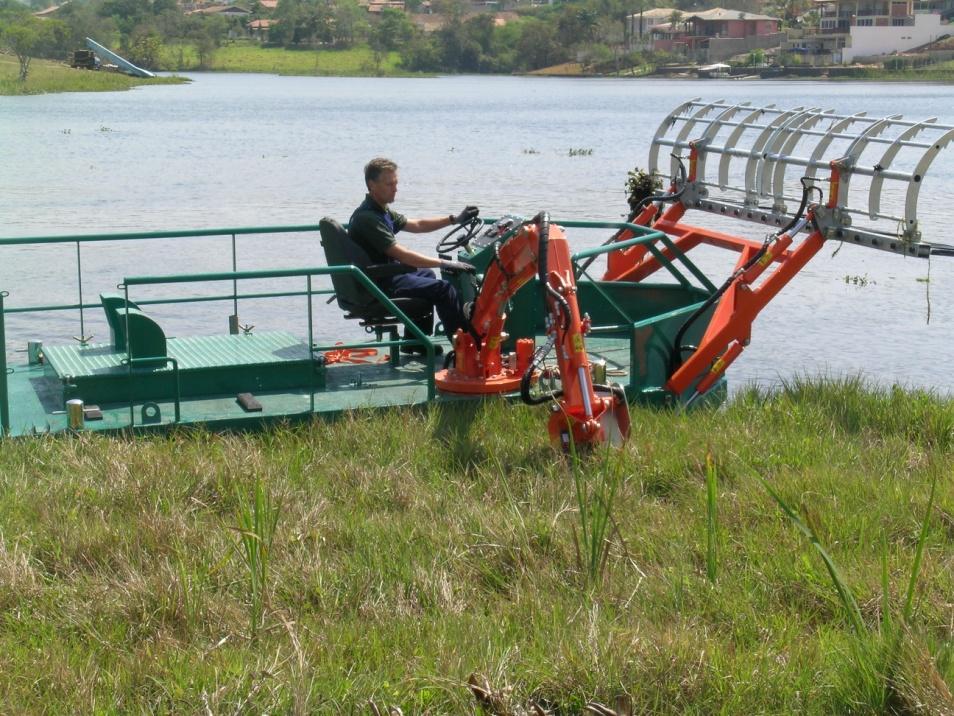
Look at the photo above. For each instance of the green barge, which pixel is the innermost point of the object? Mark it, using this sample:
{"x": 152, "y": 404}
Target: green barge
{"x": 144, "y": 379}
{"x": 658, "y": 330}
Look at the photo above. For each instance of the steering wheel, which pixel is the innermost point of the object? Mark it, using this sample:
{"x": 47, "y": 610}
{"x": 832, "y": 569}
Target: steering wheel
{"x": 459, "y": 236}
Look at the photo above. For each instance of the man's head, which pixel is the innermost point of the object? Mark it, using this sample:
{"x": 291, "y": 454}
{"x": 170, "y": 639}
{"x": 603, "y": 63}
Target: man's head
{"x": 380, "y": 176}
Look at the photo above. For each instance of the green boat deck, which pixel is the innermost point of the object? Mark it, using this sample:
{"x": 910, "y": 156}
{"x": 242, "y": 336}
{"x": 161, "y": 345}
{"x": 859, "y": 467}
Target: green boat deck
{"x": 253, "y": 362}
{"x": 144, "y": 380}
{"x": 37, "y": 392}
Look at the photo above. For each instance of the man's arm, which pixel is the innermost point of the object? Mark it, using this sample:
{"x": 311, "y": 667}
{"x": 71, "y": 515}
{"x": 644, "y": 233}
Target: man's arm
{"x": 411, "y": 258}
{"x": 423, "y": 226}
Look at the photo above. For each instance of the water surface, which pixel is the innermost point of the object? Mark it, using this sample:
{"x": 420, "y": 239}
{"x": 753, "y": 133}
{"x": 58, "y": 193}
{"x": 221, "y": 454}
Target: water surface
{"x": 239, "y": 150}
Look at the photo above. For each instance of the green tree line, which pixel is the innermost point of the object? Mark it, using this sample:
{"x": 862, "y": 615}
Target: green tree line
{"x": 596, "y": 33}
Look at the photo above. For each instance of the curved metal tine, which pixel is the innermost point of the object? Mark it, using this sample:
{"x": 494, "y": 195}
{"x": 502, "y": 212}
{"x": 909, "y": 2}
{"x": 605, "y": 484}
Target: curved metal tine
{"x": 914, "y": 187}
{"x": 710, "y": 134}
{"x": 664, "y": 127}
{"x": 683, "y": 135}
{"x": 773, "y": 144}
{"x": 778, "y": 154}
{"x": 755, "y": 153}
{"x": 855, "y": 150}
{"x": 733, "y": 139}
{"x": 825, "y": 142}
{"x": 877, "y": 181}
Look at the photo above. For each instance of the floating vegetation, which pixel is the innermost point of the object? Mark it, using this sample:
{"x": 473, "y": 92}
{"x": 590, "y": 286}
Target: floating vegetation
{"x": 580, "y": 152}
{"x": 859, "y": 280}
{"x": 640, "y": 185}
{"x": 531, "y": 150}
{"x": 105, "y": 129}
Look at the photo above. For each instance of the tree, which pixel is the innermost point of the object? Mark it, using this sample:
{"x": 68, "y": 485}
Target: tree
{"x": 82, "y": 20}
{"x": 207, "y": 34}
{"x": 538, "y": 45}
{"x": 350, "y": 22}
{"x": 392, "y": 31}
{"x": 28, "y": 37}
{"x": 127, "y": 14}
{"x": 675, "y": 18}
{"x": 144, "y": 48}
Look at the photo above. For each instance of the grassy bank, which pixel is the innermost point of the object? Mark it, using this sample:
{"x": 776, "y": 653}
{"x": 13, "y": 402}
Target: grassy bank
{"x": 240, "y": 57}
{"x": 315, "y": 568}
{"x": 46, "y": 76}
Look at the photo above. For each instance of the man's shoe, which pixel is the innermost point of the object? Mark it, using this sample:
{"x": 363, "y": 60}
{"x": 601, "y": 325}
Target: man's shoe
{"x": 421, "y": 350}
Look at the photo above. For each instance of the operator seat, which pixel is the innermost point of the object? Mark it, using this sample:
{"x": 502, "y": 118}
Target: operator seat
{"x": 354, "y": 299}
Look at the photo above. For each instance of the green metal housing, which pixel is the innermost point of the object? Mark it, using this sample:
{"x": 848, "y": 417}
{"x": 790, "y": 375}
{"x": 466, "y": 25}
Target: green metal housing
{"x": 144, "y": 380}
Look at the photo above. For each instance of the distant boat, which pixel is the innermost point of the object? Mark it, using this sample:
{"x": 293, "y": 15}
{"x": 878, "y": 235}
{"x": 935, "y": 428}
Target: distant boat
{"x": 719, "y": 70}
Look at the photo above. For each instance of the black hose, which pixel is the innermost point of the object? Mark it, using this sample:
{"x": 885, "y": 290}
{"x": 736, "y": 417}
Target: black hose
{"x": 675, "y": 356}
{"x": 536, "y": 363}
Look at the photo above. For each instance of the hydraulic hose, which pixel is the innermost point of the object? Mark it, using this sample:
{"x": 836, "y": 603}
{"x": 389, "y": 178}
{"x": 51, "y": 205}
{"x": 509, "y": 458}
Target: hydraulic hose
{"x": 675, "y": 357}
{"x": 542, "y": 220}
{"x": 536, "y": 363}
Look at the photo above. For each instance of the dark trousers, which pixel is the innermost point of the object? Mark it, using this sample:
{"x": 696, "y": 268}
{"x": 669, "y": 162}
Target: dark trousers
{"x": 423, "y": 283}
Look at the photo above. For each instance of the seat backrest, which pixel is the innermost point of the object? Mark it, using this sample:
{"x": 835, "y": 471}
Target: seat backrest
{"x": 146, "y": 337}
{"x": 113, "y": 303}
{"x": 340, "y": 250}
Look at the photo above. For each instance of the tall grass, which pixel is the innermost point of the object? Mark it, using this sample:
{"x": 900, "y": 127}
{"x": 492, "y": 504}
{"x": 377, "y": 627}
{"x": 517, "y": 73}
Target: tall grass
{"x": 257, "y": 518}
{"x": 712, "y": 520}
{"x": 879, "y": 655}
{"x": 412, "y": 549}
{"x": 596, "y": 484}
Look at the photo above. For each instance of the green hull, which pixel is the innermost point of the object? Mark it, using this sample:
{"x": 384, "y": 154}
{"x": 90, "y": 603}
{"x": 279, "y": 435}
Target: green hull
{"x": 197, "y": 380}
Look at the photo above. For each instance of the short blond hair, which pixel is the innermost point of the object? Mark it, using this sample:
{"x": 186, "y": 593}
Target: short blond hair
{"x": 376, "y": 167}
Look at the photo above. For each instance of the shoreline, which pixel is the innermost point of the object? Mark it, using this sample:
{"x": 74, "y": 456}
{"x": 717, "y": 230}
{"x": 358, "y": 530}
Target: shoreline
{"x": 50, "y": 76}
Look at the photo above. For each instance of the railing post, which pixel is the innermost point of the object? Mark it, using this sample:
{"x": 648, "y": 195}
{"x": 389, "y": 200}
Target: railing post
{"x": 4, "y": 395}
{"x": 234, "y": 318}
{"x": 311, "y": 349}
{"x": 79, "y": 285}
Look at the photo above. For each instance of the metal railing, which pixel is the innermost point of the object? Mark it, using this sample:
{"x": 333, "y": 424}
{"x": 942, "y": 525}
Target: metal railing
{"x": 645, "y": 236}
{"x": 234, "y": 276}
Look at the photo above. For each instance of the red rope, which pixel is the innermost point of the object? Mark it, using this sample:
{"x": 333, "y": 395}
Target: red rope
{"x": 353, "y": 355}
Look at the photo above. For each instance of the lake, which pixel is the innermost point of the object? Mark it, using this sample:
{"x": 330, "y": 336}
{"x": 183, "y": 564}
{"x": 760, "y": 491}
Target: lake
{"x": 260, "y": 150}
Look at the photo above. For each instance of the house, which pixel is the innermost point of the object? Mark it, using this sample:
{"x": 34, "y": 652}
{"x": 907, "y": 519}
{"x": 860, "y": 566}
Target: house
{"x": 641, "y": 22}
{"x": 51, "y": 10}
{"x": 429, "y": 23}
{"x": 258, "y": 29}
{"x": 376, "y": 6}
{"x": 717, "y": 34}
{"x": 223, "y": 10}
{"x": 852, "y": 29}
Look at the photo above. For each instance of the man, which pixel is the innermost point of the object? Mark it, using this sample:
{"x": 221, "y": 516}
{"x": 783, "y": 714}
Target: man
{"x": 373, "y": 226}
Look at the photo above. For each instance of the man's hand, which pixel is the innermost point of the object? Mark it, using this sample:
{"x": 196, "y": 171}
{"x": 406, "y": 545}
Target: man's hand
{"x": 467, "y": 215}
{"x": 458, "y": 266}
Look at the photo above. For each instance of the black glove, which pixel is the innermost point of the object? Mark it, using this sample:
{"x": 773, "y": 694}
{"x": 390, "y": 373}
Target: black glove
{"x": 455, "y": 266}
{"x": 468, "y": 214}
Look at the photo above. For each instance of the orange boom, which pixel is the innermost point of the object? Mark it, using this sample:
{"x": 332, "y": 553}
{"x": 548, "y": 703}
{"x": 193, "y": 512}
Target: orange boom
{"x": 583, "y": 412}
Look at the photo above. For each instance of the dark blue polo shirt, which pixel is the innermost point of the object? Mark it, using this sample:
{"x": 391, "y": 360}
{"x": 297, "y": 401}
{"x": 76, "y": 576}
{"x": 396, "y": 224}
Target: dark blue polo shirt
{"x": 373, "y": 228}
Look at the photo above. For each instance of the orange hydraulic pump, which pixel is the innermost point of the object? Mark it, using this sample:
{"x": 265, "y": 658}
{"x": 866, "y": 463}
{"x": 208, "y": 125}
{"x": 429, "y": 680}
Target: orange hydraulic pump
{"x": 583, "y": 413}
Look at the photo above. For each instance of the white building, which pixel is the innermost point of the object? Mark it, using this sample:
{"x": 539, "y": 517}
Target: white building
{"x": 853, "y": 29}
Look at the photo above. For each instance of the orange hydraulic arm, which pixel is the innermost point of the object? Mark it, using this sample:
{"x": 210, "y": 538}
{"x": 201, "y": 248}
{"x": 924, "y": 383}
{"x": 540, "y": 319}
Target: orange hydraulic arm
{"x": 741, "y": 298}
{"x": 582, "y": 412}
